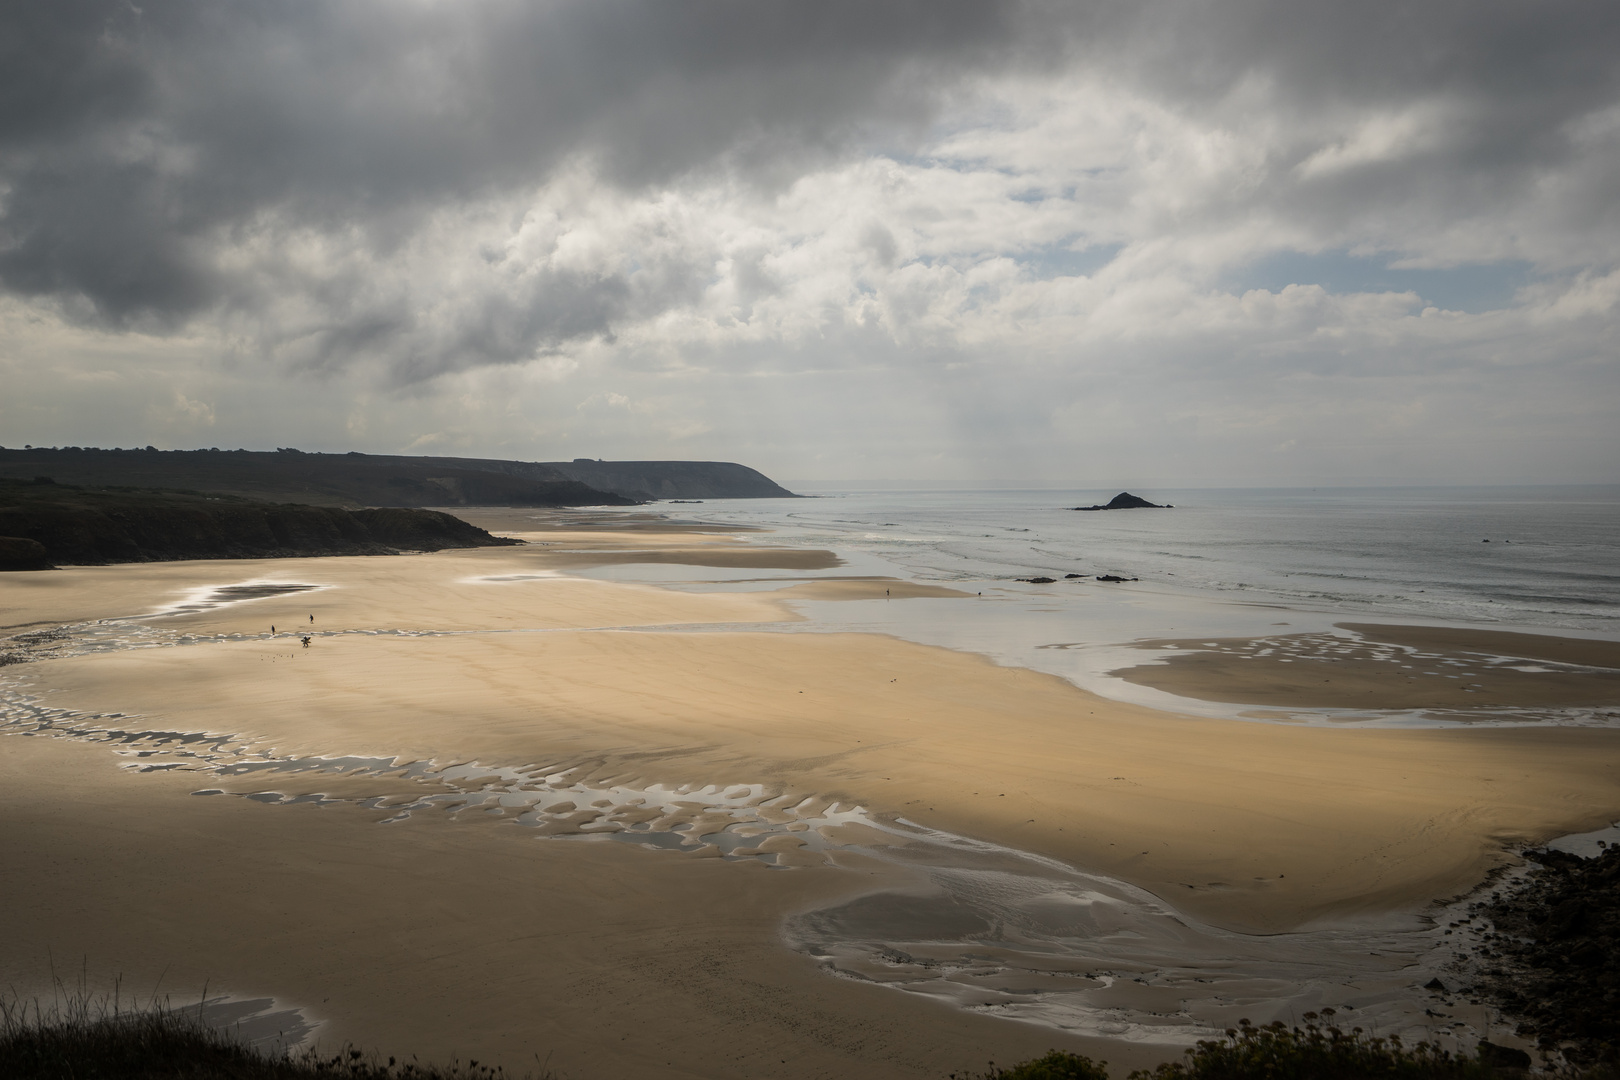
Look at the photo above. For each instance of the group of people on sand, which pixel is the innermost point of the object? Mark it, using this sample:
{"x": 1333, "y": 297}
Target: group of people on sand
{"x": 305, "y": 639}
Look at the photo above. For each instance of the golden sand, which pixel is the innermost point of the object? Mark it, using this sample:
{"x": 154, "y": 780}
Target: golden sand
{"x": 436, "y": 936}
{"x": 448, "y": 940}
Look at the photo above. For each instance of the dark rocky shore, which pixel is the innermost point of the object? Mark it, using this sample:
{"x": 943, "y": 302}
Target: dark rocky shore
{"x": 1550, "y": 957}
{"x": 43, "y": 523}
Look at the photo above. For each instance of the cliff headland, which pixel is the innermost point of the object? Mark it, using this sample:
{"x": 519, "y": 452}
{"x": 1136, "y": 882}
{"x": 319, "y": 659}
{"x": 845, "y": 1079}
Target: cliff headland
{"x": 292, "y": 476}
{"x": 43, "y": 523}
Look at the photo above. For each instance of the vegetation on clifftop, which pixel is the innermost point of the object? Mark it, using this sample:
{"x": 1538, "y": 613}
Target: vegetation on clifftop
{"x": 90, "y": 527}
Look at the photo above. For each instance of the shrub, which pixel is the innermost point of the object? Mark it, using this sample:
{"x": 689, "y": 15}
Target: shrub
{"x": 97, "y": 1040}
{"x": 1318, "y": 1051}
{"x": 1056, "y": 1065}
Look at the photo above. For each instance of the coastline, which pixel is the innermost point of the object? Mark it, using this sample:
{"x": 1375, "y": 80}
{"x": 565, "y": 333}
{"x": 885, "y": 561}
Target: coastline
{"x": 1252, "y": 827}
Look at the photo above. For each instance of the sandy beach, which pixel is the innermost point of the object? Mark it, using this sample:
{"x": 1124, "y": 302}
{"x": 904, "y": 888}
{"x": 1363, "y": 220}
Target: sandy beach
{"x": 458, "y": 931}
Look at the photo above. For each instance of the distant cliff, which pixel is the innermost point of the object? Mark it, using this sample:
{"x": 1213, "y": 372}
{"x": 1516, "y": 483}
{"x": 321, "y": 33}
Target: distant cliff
{"x": 76, "y": 526}
{"x": 385, "y": 480}
{"x": 648, "y": 480}
{"x": 290, "y": 476}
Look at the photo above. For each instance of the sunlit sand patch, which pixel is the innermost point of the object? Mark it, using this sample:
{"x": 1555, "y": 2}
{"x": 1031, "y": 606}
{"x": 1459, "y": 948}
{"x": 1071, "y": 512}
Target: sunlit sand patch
{"x": 761, "y": 558}
{"x": 866, "y": 589}
{"x": 984, "y": 926}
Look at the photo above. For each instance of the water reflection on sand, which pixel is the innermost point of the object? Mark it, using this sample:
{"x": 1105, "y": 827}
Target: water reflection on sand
{"x": 980, "y": 925}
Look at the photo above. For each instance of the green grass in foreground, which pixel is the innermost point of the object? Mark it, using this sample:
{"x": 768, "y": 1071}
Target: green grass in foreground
{"x": 1317, "y": 1051}
{"x": 86, "y": 1040}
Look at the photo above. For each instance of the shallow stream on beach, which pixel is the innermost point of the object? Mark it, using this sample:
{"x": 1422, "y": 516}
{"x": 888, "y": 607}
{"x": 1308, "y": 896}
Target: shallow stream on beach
{"x": 985, "y": 927}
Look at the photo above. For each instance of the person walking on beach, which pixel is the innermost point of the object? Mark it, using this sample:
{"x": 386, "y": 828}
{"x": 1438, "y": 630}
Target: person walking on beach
{"x": 306, "y": 641}
{"x": 312, "y": 620}
{"x": 272, "y": 628}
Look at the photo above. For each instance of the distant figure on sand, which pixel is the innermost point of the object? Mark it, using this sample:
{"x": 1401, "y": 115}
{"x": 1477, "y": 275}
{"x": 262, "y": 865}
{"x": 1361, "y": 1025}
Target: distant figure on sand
{"x": 272, "y": 628}
{"x": 306, "y": 641}
{"x": 312, "y": 619}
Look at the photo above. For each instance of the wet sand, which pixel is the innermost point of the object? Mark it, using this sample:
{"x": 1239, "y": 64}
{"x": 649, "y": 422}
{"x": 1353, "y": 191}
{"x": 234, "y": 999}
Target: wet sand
{"x": 1454, "y": 671}
{"x": 443, "y": 934}
{"x": 866, "y": 589}
{"x": 1247, "y": 826}
{"x": 446, "y": 939}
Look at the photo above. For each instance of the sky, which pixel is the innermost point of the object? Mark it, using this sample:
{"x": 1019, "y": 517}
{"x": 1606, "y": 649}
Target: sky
{"x": 906, "y": 243}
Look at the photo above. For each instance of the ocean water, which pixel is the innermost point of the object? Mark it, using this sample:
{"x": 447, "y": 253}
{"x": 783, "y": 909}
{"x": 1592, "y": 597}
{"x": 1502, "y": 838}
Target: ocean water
{"x": 1009, "y": 934}
{"x": 1220, "y": 563}
{"x": 1552, "y": 560}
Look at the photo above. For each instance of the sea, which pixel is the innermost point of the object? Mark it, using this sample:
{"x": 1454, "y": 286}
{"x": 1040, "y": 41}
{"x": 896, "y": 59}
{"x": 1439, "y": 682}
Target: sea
{"x": 1216, "y": 562}
{"x": 1009, "y": 933}
{"x": 1055, "y": 945}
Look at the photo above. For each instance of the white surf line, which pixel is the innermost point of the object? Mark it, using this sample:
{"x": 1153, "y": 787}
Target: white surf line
{"x": 985, "y": 926}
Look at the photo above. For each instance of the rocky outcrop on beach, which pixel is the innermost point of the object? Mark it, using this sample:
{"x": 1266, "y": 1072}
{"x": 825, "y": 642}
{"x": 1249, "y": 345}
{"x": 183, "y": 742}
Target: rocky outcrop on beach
{"x": 1552, "y": 961}
{"x": 1126, "y": 501}
{"x": 20, "y": 553}
{"x": 69, "y": 525}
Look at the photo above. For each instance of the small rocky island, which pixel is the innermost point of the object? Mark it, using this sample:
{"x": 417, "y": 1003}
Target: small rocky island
{"x": 1126, "y": 501}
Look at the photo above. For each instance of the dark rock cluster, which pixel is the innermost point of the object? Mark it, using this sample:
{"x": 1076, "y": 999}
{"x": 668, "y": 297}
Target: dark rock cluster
{"x": 1553, "y": 960}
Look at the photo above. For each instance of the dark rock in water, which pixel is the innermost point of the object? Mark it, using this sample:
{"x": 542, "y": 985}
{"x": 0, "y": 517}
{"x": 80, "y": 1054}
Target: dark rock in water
{"x": 1126, "y": 501}
{"x": 1435, "y": 984}
{"x": 1067, "y": 576}
{"x": 1038, "y": 580}
{"x": 1115, "y": 577}
{"x": 20, "y": 553}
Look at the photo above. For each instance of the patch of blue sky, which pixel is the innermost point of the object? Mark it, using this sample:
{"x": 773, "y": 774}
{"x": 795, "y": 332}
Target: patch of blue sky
{"x": 1062, "y": 260}
{"x": 1475, "y": 288}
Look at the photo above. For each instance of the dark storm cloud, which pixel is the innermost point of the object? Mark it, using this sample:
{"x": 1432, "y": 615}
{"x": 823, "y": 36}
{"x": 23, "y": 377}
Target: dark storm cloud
{"x": 131, "y": 133}
{"x": 139, "y": 142}
{"x": 1509, "y": 81}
